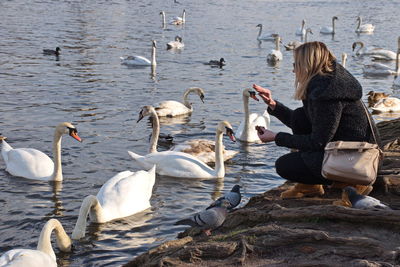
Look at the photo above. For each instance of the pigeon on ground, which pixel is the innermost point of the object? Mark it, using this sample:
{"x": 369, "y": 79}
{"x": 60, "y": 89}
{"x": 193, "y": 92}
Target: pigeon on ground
{"x": 234, "y": 197}
{"x": 364, "y": 202}
{"x": 208, "y": 220}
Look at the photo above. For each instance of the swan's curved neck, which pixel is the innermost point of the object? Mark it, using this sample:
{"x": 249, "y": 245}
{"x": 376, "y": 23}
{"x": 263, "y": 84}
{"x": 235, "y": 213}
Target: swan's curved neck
{"x": 361, "y": 49}
{"x": 185, "y": 98}
{"x": 153, "y": 56}
{"x": 219, "y": 158}
{"x": 57, "y": 173}
{"x": 333, "y": 25}
{"x": 163, "y": 18}
{"x": 306, "y": 36}
{"x": 260, "y": 31}
{"x": 277, "y": 44}
{"x": 92, "y": 205}
{"x": 155, "y": 133}
{"x": 398, "y": 62}
{"x": 359, "y": 23}
{"x": 184, "y": 17}
{"x": 63, "y": 240}
{"x": 245, "y": 132}
{"x": 303, "y": 24}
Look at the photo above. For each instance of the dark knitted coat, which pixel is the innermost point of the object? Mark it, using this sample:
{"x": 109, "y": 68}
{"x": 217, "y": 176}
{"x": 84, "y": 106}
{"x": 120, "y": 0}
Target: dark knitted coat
{"x": 334, "y": 112}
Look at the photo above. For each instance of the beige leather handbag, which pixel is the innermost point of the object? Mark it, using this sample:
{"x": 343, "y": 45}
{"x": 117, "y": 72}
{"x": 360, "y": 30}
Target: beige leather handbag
{"x": 352, "y": 162}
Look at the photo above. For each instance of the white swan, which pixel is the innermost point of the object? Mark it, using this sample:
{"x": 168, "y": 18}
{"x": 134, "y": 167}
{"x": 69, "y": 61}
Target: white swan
{"x": 179, "y": 164}
{"x": 302, "y": 30}
{"x": 123, "y": 195}
{"x": 177, "y": 44}
{"x": 294, "y": 44}
{"x": 179, "y": 20}
{"x": 44, "y": 254}
{"x": 328, "y": 29}
{"x": 388, "y": 104}
{"x": 33, "y": 164}
{"x": 266, "y": 36}
{"x": 246, "y": 131}
{"x": 344, "y": 59}
{"x": 364, "y": 28}
{"x": 202, "y": 149}
{"x": 375, "y": 53}
{"x": 139, "y": 60}
{"x": 381, "y": 69}
{"x": 171, "y": 108}
{"x": 275, "y": 55}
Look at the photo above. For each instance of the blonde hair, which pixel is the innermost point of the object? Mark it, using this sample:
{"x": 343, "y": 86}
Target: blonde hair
{"x": 310, "y": 59}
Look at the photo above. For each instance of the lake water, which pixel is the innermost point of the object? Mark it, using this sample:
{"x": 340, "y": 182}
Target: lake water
{"x": 89, "y": 87}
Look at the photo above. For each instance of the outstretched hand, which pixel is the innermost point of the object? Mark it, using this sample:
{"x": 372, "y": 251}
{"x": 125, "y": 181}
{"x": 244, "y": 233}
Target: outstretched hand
{"x": 266, "y": 95}
{"x": 265, "y": 135}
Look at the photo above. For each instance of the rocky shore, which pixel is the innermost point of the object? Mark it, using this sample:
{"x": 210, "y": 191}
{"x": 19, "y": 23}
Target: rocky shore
{"x": 269, "y": 231}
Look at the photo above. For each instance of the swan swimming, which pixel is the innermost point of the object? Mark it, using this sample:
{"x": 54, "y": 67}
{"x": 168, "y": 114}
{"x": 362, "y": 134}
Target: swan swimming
{"x": 139, "y": 60}
{"x": 275, "y": 55}
{"x": 179, "y": 20}
{"x": 266, "y": 36}
{"x": 375, "y": 53}
{"x": 172, "y": 108}
{"x": 44, "y": 254}
{"x": 246, "y": 131}
{"x": 123, "y": 195}
{"x": 33, "y": 164}
{"x": 302, "y": 31}
{"x": 387, "y": 104}
{"x": 183, "y": 165}
{"x": 328, "y": 29}
{"x": 364, "y": 28}
{"x": 177, "y": 44}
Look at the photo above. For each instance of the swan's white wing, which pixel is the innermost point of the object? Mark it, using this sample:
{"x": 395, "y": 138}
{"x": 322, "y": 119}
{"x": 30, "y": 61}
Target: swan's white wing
{"x": 326, "y": 29}
{"x": 378, "y": 69}
{"x": 136, "y": 60}
{"x": 382, "y": 54}
{"x": 175, "y": 44}
{"x": 29, "y": 163}
{"x": 176, "y": 164}
{"x": 366, "y": 28}
{"x": 171, "y": 108}
{"x": 26, "y": 258}
{"x": 126, "y": 193}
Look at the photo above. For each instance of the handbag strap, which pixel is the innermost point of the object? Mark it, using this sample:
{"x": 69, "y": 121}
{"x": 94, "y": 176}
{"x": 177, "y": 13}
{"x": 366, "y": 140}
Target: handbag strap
{"x": 369, "y": 121}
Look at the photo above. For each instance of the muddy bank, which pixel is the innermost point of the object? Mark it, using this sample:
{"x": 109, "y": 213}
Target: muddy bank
{"x": 302, "y": 232}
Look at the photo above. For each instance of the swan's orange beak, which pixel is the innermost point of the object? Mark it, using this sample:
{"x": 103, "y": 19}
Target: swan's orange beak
{"x": 74, "y": 134}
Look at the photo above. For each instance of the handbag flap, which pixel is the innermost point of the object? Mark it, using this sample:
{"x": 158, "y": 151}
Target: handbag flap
{"x": 349, "y": 145}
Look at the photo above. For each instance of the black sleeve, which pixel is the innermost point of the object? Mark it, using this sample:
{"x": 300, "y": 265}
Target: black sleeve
{"x": 282, "y": 113}
{"x": 324, "y": 122}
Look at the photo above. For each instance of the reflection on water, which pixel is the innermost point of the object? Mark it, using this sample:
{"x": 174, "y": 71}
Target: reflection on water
{"x": 88, "y": 85}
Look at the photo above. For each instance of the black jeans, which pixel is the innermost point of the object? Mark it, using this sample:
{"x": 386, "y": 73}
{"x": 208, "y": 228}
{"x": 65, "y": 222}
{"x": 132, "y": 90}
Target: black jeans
{"x": 291, "y": 166}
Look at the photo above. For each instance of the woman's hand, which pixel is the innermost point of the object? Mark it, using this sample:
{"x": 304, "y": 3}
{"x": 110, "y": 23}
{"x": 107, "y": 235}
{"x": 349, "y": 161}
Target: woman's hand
{"x": 266, "y": 95}
{"x": 265, "y": 135}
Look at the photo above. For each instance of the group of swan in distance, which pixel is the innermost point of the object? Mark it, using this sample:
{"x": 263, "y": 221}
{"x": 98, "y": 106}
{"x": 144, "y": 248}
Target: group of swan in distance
{"x": 123, "y": 195}
{"x": 246, "y": 131}
{"x": 33, "y": 164}
{"x": 265, "y": 36}
{"x": 44, "y": 254}
{"x": 275, "y": 55}
{"x": 177, "y": 44}
{"x": 180, "y": 164}
{"x": 375, "y": 53}
{"x": 294, "y": 44}
{"x": 172, "y": 108}
{"x": 140, "y": 60}
{"x": 329, "y": 29}
{"x": 364, "y": 28}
